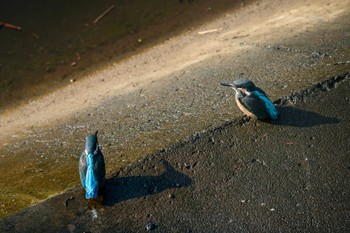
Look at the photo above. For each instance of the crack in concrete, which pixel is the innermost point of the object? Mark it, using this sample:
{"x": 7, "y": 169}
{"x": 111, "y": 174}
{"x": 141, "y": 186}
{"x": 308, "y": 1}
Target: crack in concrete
{"x": 326, "y": 85}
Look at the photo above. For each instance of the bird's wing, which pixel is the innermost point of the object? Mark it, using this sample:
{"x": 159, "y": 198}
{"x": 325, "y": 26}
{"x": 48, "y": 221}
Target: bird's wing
{"x": 255, "y": 105}
{"x": 82, "y": 169}
{"x": 270, "y": 108}
{"x": 100, "y": 169}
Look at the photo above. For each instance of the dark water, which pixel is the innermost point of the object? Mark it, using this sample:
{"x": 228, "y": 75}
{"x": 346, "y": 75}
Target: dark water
{"x": 60, "y": 42}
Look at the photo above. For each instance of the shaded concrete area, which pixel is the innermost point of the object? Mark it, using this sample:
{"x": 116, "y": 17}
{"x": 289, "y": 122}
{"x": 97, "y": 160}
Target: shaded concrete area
{"x": 291, "y": 175}
{"x": 119, "y": 189}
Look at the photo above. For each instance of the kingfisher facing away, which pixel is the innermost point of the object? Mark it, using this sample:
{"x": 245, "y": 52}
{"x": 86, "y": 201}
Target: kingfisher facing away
{"x": 92, "y": 167}
{"x": 252, "y": 100}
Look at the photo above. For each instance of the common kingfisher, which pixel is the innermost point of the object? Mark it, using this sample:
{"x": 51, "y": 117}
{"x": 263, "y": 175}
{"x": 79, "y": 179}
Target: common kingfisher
{"x": 252, "y": 100}
{"x": 92, "y": 167}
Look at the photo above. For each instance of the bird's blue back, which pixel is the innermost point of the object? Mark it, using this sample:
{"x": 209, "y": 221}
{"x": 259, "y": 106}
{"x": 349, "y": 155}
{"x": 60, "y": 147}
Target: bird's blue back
{"x": 92, "y": 167}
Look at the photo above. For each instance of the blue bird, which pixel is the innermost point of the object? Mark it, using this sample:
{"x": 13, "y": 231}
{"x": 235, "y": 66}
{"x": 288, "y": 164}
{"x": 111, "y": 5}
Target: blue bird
{"x": 92, "y": 167}
{"x": 252, "y": 100}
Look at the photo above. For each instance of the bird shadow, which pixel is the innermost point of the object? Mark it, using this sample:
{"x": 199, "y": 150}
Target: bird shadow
{"x": 291, "y": 116}
{"x": 119, "y": 189}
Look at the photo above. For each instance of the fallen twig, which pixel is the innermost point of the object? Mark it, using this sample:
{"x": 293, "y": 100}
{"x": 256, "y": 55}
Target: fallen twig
{"x": 103, "y": 14}
{"x": 235, "y": 37}
{"x": 10, "y": 26}
{"x": 209, "y": 31}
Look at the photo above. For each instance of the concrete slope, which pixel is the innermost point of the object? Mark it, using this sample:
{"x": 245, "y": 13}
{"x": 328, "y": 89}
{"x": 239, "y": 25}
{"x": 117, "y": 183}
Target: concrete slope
{"x": 290, "y": 175}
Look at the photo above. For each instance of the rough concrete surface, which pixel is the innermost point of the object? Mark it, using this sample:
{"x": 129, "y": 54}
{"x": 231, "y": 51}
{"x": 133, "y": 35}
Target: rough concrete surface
{"x": 290, "y": 175}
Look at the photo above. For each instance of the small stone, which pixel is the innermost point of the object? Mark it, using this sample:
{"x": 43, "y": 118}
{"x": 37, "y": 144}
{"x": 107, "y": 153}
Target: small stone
{"x": 212, "y": 140}
{"x": 65, "y": 203}
{"x": 71, "y": 227}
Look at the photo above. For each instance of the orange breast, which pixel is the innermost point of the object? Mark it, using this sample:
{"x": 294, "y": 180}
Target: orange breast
{"x": 244, "y": 110}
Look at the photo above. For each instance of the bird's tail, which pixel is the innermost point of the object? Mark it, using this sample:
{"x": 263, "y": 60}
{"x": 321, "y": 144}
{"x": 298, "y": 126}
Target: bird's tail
{"x": 91, "y": 183}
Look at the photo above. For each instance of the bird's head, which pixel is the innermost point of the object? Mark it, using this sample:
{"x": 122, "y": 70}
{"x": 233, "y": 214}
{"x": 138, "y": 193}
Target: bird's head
{"x": 242, "y": 85}
{"x": 91, "y": 145}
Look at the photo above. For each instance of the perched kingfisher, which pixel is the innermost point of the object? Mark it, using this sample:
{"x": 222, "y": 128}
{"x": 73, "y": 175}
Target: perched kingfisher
{"x": 92, "y": 167}
{"x": 252, "y": 100}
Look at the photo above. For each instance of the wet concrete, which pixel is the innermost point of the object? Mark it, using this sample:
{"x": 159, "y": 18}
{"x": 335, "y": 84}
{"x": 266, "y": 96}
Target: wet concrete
{"x": 40, "y": 161}
{"x": 290, "y": 175}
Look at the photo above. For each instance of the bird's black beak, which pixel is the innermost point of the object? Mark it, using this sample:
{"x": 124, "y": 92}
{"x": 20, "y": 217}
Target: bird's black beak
{"x": 228, "y": 84}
